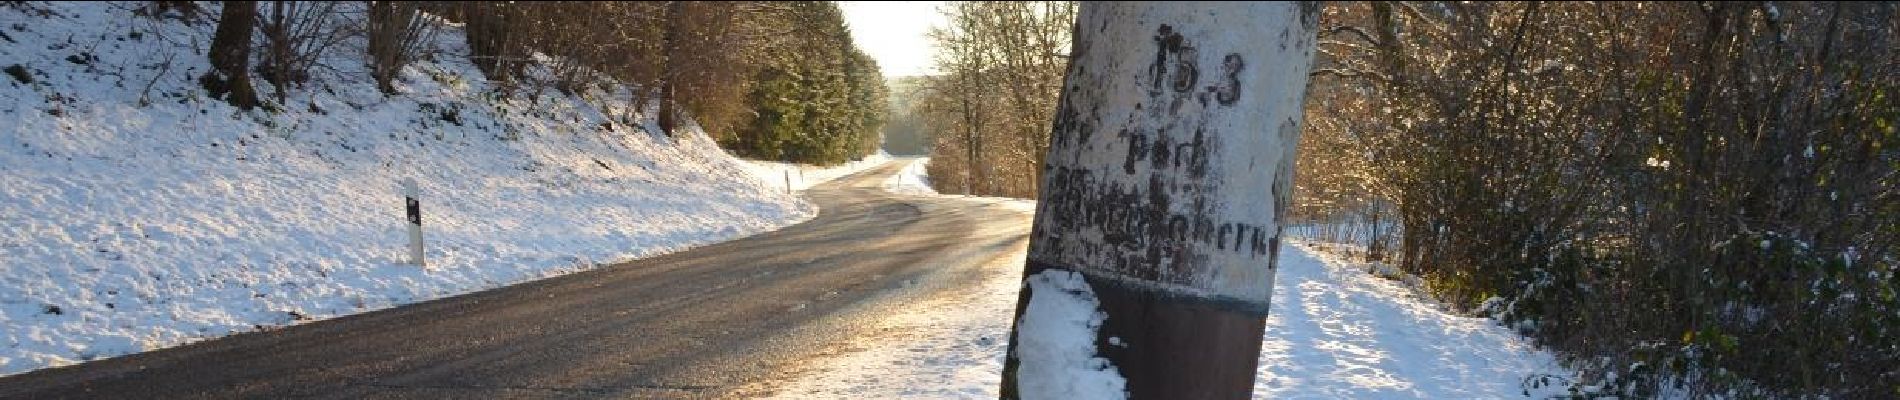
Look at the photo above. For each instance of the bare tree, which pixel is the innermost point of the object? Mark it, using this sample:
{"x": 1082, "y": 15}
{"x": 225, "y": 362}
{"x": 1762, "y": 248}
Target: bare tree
{"x": 297, "y": 34}
{"x": 1002, "y": 64}
{"x": 495, "y": 38}
{"x": 397, "y": 33}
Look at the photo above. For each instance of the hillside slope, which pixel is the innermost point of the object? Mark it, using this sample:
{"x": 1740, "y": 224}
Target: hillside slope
{"x": 139, "y": 214}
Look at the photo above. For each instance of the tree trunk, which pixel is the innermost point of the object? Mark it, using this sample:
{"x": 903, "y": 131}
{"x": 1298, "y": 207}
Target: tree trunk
{"x": 230, "y": 56}
{"x": 277, "y": 50}
{"x": 1375, "y": 249}
{"x": 1155, "y": 243}
{"x": 669, "y": 53}
{"x": 972, "y": 131}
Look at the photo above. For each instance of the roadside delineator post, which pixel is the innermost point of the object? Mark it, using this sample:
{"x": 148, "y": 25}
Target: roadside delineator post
{"x": 788, "y": 180}
{"x": 409, "y": 194}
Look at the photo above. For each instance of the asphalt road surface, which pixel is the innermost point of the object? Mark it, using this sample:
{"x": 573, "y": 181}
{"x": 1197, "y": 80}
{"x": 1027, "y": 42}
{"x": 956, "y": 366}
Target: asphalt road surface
{"x": 699, "y": 323}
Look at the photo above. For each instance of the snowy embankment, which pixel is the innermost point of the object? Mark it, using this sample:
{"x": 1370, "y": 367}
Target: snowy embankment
{"x": 801, "y": 176}
{"x": 913, "y": 179}
{"x": 138, "y": 214}
{"x": 1333, "y": 332}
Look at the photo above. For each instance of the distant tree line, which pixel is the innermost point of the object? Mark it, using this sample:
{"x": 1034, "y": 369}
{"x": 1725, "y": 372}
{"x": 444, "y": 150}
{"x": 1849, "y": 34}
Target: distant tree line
{"x": 906, "y": 133}
{"x": 1700, "y": 190}
{"x": 776, "y": 80}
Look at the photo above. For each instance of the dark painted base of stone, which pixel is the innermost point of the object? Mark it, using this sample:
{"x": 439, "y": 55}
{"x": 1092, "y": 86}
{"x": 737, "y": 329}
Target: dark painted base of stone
{"x": 1171, "y": 347}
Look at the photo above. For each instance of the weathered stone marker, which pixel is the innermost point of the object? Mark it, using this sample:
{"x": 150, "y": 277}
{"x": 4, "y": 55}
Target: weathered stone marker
{"x": 414, "y": 208}
{"x": 1169, "y": 168}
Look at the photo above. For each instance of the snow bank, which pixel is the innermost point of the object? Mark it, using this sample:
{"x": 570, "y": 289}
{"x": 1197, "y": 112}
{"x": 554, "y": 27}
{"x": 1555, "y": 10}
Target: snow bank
{"x": 913, "y": 179}
{"x": 1057, "y": 337}
{"x": 129, "y": 225}
{"x": 1336, "y": 331}
{"x": 802, "y": 176}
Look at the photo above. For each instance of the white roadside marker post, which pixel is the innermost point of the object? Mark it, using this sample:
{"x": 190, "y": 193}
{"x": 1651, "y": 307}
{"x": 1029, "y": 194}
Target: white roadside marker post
{"x": 409, "y": 194}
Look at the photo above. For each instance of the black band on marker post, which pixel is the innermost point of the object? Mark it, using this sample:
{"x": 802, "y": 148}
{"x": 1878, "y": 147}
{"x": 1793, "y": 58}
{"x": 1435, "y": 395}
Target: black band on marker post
{"x": 415, "y": 211}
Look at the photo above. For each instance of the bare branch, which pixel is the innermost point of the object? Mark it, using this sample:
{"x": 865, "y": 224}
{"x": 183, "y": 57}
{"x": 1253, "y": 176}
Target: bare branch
{"x": 1354, "y": 30}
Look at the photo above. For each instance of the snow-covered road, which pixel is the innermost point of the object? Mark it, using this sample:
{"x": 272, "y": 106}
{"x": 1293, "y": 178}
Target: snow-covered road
{"x": 1333, "y": 332}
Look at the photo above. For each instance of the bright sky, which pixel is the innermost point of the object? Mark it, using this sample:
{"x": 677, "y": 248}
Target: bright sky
{"x": 893, "y": 33}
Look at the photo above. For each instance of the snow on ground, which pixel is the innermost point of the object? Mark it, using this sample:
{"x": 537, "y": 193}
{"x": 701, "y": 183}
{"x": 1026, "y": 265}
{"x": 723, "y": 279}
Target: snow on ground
{"x": 946, "y": 347}
{"x": 913, "y": 179}
{"x": 1334, "y": 332}
{"x": 802, "y": 176}
{"x": 128, "y": 227}
{"x": 1059, "y": 326}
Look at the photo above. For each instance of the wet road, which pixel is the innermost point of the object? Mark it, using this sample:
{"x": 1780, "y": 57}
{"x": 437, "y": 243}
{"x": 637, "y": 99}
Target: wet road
{"x": 693, "y": 324}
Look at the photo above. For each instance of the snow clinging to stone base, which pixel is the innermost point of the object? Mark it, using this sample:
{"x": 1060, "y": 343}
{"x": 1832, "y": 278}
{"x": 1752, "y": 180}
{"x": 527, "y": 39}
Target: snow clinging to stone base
{"x": 1057, "y": 342}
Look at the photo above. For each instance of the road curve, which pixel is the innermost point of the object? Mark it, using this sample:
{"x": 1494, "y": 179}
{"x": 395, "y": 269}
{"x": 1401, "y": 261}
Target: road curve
{"x": 693, "y": 324}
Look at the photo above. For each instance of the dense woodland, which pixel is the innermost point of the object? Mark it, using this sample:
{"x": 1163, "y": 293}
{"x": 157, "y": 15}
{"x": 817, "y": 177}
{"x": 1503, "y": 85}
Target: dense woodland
{"x": 770, "y": 80}
{"x": 1683, "y": 197}
{"x": 1695, "y": 188}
